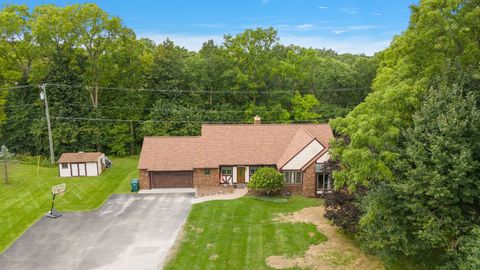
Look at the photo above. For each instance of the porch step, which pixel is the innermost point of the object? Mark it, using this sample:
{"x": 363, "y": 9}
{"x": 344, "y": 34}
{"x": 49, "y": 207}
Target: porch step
{"x": 241, "y": 186}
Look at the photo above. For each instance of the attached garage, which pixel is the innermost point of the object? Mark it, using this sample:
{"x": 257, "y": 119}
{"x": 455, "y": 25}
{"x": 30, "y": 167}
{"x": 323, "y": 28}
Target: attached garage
{"x": 174, "y": 179}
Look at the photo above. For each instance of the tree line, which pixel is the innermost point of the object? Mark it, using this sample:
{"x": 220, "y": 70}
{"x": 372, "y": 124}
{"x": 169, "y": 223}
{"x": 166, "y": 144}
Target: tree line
{"x": 409, "y": 155}
{"x": 107, "y": 89}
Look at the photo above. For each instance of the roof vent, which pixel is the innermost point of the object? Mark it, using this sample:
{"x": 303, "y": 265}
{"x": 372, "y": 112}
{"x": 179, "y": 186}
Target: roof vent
{"x": 257, "y": 120}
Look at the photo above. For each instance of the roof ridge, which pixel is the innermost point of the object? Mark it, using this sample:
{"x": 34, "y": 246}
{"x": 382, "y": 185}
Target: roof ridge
{"x": 307, "y": 132}
{"x": 265, "y": 124}
{"x": 170, "y": 137}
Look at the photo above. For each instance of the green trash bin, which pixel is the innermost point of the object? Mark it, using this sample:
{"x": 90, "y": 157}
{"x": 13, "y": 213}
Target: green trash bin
{"x": 134, "y": 184}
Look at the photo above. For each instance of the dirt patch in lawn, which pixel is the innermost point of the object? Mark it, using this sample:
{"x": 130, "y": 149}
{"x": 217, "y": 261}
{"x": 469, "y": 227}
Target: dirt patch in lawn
{"x": 337, "y": 253}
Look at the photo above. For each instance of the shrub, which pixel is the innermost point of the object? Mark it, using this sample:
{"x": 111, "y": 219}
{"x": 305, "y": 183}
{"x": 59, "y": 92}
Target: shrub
{"x": 343, "y": 210}
{"x": 266, "y": 180}
{"x": 467, "y": 254}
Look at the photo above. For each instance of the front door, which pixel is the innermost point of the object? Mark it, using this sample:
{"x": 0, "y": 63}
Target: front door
{"x": 241, "y": 175}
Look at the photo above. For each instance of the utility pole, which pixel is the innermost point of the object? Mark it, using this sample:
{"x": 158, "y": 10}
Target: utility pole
{"x": 43, "y": 96}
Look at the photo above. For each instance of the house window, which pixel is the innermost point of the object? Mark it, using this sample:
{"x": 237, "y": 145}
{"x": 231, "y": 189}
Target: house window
{"x": 206, "y": 171}
{"x": 64, "y": 165}
{"x": 227, "y": 171}
{"x": 319, "y": 167}
{"x": 324, "y": 181}
{"x": 253, "y": 169}
{"x": 292, "y": 177}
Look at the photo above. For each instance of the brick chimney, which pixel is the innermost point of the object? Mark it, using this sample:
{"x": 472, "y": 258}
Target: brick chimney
{"x": 257, "y": 120}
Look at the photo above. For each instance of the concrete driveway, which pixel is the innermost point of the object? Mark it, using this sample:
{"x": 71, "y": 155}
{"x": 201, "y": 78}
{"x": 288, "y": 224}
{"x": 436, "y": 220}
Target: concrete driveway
{"x": 127, "y": 232}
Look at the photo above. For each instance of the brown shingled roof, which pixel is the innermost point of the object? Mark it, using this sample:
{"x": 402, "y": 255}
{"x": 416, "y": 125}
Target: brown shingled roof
{"x": 298, "y": 142}
{"x": 243, "y": 144}
{"x": 169, "y": 153}
{"x": 79, "y": 157}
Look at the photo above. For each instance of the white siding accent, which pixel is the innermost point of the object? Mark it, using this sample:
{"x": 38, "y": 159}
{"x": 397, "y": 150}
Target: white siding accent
{"x": 64, "y": 172}
{"x": 309, "y": 152}
{"x": 92, "y": 169}
{"x": 324, "y": 158}
{"x": 82, "y": 169}
{"x": 234, "y": 172}
{"x": 247, "y": 174}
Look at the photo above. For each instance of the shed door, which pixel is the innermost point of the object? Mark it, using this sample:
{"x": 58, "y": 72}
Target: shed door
{"x": 74, "y": 168}
{"x": 177, "y": 179}
{"x": 82, "y": 169}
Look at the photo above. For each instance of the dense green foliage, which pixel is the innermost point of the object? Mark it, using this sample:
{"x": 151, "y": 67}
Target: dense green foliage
{"x": 413, "y": 144}
{"x": 96, "y": 68}
{"x": 266, "y": 180}
{"x": 245, "y": 227}
{"x": 28, "y": 196}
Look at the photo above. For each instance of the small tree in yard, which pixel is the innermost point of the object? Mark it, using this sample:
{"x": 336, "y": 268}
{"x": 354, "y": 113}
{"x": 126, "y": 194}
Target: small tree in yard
{"x": 5, "y": 157}
{"x": 266, "y": 180}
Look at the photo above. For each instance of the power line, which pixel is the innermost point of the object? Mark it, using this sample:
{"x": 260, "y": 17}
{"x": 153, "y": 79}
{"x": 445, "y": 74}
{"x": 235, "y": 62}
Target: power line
{"x": 132, "y": 107}
{"x": 16, "y": 87}
{"x": 177, "y": 121}
{"x": 206, "y": 91}
{"x": 24, "y": 105}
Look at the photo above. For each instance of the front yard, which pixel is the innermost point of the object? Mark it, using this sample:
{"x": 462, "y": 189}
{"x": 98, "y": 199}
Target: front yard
{"x": 28, "y": 196}
{"x": 242, "y": 234}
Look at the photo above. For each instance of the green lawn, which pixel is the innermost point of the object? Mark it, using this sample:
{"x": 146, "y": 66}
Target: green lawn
{"x": 28, "y": 196}
{"x": 241, "y": 234}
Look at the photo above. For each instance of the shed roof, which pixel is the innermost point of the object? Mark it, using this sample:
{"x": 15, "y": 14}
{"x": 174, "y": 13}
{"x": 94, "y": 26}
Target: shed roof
{"x": 79, "y": 157}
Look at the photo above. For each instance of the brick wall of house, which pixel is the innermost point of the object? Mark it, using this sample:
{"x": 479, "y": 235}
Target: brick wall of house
{"x": 144, "y": 179}
{"x": 202, "y": 180}
{"x": 309, "y": 178}
{"x": 293, "y": 189}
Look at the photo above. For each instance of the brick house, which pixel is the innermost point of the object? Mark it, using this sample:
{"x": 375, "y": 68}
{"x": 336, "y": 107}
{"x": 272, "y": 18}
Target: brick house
{"x": 230, "y": 155}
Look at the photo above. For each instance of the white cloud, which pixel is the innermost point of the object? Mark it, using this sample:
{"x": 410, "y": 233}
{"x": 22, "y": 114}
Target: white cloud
{"x": 305, "y": 26}
{"x": 323, "y": 7}
{"x": 352, "y": 28}
{"x": 351, "y": 11}
{"x": 263, "y": 2}
{"x": 339, "y": 31}
{"x": 355, "y": 45}
{"x": 376, "y": 14}
{"x": 296, "y": 27}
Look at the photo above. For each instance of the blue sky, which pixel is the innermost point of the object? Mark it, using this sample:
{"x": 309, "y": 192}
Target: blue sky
{"x": 356, "y": 26}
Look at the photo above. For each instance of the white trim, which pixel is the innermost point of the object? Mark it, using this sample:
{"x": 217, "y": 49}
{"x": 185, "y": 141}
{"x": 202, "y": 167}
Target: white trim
{"x": 324, "y": 158}
{"x": 247, "y": 174}
{"x": 304, "y": 156}
{"x": 234, "y": 172}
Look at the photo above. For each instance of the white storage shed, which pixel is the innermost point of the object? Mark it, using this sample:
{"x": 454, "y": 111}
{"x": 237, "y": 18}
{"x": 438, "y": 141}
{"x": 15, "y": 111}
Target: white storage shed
{"x": 81, "y": 164}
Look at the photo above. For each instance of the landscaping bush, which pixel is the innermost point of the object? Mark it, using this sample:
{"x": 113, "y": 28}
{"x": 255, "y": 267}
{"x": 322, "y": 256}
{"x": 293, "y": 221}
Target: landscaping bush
{"x": 343, "y": 210}
{"x": 266, "y": 180}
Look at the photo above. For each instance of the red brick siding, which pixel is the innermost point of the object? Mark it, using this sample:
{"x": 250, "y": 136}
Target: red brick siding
{"x": 201, "y": 180}
{"x": 293, "y": 189}
{"x": 309, "y": 184}
{"x": 144, "y": 179}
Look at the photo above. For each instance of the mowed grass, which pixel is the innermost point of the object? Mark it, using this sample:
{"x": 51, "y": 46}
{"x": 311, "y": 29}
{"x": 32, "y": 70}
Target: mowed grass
{"x": 242, "y": 233}
{"x": 28, "y": 195}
